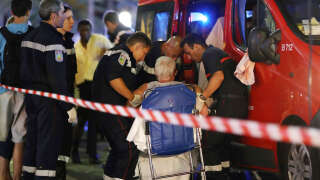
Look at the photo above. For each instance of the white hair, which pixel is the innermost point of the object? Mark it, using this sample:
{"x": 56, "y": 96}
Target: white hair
{"x": 165, "y": 68}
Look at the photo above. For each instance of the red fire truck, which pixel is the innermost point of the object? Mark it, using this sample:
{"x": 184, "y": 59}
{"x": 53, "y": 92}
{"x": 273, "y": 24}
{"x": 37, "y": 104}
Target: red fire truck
{"x": 285, "y": 43}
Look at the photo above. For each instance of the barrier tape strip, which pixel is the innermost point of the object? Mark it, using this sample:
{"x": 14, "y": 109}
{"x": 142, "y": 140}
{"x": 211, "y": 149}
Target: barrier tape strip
{"x": 254, "y": 129}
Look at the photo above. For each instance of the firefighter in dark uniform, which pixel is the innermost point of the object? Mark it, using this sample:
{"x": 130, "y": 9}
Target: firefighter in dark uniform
{"x": 64, "y": 154}
{"x": 114, "y": 82}
{"x": 117, "y": 32}
{"x": 231, "y": 95}
{"x": 171, "y": 48}
{"x": 43, "y": 67}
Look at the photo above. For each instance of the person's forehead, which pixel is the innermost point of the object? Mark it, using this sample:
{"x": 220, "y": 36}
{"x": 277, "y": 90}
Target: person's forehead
{"x": 85, "y": 27}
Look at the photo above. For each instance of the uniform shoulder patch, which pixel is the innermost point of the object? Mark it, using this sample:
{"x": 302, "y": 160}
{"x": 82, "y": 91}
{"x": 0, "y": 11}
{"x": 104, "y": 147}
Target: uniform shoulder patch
{"x": 123, "y": 58}
{"x": 58, "y": 55}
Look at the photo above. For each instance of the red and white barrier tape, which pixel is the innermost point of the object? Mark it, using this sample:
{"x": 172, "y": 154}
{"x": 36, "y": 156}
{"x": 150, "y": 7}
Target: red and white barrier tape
{"x": 267, "y": 131}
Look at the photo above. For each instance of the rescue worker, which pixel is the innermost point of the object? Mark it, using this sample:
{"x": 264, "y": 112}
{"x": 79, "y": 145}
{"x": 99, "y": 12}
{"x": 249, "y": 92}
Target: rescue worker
{"x": 64, "y": 154}
{"x": 171, "y": 48}
{"x": 12, "y": 109}
{"x": 117, "y": 32}
{"x": 114, "y": 82}
{"x": 43, "y": 67}
{"x": 217, "y": 80}
{"x": 89, "y": 50}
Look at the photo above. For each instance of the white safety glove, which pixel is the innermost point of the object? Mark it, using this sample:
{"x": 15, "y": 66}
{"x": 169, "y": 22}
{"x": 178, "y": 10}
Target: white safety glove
{"x": 199, "y": 104}
{"x": 136, "y": 101}
{"x": 72, "y": 113}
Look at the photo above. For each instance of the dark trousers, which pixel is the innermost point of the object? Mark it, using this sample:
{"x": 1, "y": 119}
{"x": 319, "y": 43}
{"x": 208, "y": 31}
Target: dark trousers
{"x": 123, "y": 156}
{"x": 85, "y": 115}
{"x": 64, "y": 153}
{"x": 216, "y": 146}
{"x": 45, "y": 127}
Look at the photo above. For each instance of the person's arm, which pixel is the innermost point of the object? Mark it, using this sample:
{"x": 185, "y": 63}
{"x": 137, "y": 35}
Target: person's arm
{"x": 114, "y": 78}
{"x": 120, "y": 87}
{"x": 103, "y": 44}
{"x": 140, "y": 91}
{"x": 214, "y": 83}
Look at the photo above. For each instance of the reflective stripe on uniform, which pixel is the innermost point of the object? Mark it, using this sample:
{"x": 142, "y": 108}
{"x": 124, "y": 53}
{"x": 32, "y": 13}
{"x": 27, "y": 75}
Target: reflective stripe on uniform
{"x": 105, "y": 177}
{"x": 125, "y": 55}
{"x": 43, "y": 48}
{"x": 29, "y": 169}
{"x": 46, "y": 173}
{"x": 148, "y": 69}
{"x": 65, "y": 159}
{"x": 70, "y": 51}
{"x": 225, "y": 164}
{"x": 215, "y": 168}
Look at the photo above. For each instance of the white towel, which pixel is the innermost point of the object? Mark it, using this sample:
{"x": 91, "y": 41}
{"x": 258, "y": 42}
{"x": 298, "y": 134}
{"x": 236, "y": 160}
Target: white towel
{"x": 215, "y": 37}
{"x": 244, "y": 71}
{"x": 137, "y": 134}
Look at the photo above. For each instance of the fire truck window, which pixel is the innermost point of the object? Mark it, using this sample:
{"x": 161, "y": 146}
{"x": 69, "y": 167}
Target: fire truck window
{"x": 240, "y": 16}
{"x": 301, "y": 17}
{"x": 245, "y": 18}
{"x": 146, "y": 24}
{"x": 161, "y": 23}
{"x": 198, "y": 23}
{"x": 266, "y": 20}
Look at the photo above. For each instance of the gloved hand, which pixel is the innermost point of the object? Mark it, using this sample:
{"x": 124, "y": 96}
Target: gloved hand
{"x": 136, "y": 101}
{"x": 72, "y": 113}
{"x": 199, "y": 104}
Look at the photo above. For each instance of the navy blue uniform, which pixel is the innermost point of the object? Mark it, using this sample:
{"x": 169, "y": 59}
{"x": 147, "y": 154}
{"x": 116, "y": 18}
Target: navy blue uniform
{"x": 65, "y": 150}
{"x": 232, "y": 102}
{"x": 43, "y": 67}
{"x": 123, "y": 157}
{"x": 71, "y": 61}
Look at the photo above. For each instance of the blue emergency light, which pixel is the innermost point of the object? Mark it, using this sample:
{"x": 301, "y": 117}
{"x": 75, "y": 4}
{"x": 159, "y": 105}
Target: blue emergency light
{"x": 197, "y": 16}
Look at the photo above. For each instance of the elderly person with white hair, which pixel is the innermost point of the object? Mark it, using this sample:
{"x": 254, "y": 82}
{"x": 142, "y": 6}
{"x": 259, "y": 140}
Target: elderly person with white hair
{"x": 165, "y": 71}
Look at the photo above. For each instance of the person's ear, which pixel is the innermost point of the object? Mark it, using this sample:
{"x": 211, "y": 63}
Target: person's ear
{"x": 165, "y": 45}
{"x": 28, "y": 13}
{"x": 197, "y": 47}
{"x": 53, "y": 17}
